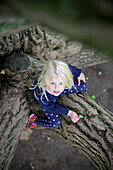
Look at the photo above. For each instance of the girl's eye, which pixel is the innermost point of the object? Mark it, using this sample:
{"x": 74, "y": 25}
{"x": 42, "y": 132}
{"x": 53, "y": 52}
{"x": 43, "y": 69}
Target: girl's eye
{"x": 52, "y": 83}
{"x": 61, "y": 83}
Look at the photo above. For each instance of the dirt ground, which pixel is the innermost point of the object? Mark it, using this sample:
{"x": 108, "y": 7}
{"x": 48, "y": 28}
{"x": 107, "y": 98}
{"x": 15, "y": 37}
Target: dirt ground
{"x": 47, "y": 151}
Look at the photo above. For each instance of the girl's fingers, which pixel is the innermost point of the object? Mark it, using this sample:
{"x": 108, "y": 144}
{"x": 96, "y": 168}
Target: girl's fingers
{"x": 84, "y": 80}
{"x": 74, "y": 121}
{"x": 75, "y": 118}
{"x": 78, "y": 81}
{"x": 76, "y": 115}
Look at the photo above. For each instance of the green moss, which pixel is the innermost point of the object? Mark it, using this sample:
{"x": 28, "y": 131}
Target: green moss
{"x": 100, "y": 113}
{"x": 22, "y": 103}
{"x": 9, "y": 143}
{"x": 68, "y": 122}
{"x": 7, "y": 123}
{"x": 17, "y": 113}
{"x": 13, "y": 128}
{"x": 75, "y": 101}
{"x": 85, "y": 123}
{"x": 23, "y": 97}
{"x": 102, "y": 119}
{"x": 95, "y": 140}
{"x": 12, "y": 25}
{"x": 4, "y": 163}
{"x": 96, "y": 130}
{"x": 84, "y": 141}
{"x": 110, "y": 145}
{"x": 94, "y": 161}
{"x": 2, "y": 117}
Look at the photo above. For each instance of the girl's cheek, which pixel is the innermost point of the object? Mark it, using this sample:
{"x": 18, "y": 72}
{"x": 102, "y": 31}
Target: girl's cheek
{"x": 63, "y": 87}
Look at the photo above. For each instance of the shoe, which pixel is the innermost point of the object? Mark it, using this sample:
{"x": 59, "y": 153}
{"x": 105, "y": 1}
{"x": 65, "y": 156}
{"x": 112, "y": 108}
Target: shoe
{"x": 31, "y": 124}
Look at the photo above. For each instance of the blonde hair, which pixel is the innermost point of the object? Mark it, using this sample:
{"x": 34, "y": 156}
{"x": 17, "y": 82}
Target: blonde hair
{"x": 55, "y": 67}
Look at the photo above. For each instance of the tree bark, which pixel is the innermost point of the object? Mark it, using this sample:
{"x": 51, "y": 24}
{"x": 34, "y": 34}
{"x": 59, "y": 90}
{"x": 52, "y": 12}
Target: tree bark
{"x": 14, "y": 111}
{"x": 93, "y": 135}
{"x": 42, "y": 43}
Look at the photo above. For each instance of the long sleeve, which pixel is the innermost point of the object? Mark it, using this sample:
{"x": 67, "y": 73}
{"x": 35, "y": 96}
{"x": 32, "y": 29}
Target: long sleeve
{"x": 77, "y": 88}
{"x": 53, "y": 107}
{"x": 75, "y": 71}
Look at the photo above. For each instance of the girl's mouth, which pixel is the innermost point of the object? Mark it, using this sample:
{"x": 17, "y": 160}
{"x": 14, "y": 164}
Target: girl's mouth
{"x": 56, "y": 92}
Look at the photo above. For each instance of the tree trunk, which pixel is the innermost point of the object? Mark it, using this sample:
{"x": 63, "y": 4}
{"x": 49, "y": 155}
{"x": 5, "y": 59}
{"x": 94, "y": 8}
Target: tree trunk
{"x": 42, "y": 43}
{"x": 14, "y": 111}
{"x": 93, "y": 135}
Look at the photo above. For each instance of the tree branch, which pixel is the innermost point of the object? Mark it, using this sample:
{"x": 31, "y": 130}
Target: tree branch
{"x": 41, "y": 43}
{"x": 93, "y": 135}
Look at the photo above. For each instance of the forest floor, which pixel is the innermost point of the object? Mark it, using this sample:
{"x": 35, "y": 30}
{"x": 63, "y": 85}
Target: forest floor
{"x": 47, "y": 151}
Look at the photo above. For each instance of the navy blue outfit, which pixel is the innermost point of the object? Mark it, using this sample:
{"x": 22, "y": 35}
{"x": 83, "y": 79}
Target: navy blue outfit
{"x": 50, "y": 107}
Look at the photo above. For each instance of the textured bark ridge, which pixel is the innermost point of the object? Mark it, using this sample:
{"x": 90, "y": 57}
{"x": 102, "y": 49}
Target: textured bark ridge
{"x": 14, "y": 111}
{"x": 42, "y": 43}
{"x": 93, "y": 134}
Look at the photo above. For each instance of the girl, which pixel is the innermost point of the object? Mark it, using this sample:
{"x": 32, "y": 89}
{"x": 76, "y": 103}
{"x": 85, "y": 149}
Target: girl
{"x": 56, "y": 79}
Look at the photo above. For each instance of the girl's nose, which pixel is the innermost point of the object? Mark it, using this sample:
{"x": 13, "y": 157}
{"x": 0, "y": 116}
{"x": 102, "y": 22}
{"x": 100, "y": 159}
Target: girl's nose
{"x": 56, "y": 87}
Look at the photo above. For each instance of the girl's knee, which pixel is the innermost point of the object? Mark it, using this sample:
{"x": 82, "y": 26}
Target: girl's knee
{"x": 82, "y": 87}
{"x": 56, "y": 123}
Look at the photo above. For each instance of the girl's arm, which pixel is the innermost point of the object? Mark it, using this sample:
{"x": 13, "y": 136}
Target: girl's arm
{"x": 77, "y": 88}
{"x": 75, "y": 71}
{"x": 52, "y": 107}
{"x": 77, "y": 74}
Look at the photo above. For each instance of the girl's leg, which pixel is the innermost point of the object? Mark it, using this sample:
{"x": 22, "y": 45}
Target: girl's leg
{"x": 49, "y": 122}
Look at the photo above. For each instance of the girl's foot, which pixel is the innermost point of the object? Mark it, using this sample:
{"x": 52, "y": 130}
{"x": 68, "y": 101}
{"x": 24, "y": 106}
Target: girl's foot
{"x": 31, "y": 124}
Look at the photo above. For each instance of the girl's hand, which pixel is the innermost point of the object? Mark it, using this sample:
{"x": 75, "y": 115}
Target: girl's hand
{"x": 81, "y": 77}
{"x": 74, "y": 117}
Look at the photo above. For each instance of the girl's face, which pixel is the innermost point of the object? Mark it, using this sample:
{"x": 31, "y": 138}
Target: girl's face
{"x": 55, "y": 85}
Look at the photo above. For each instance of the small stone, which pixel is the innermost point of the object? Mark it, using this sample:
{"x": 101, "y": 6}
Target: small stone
{"x": 104, "y": 90}
{"x": 48, "y": 138}
{"x": 99, "y": 73}
{"x": 31, "y": 163}
{"x": 81, "y": 117}
{"x": 34, "y": 149}
{"x": 2, "y": 72}
{"x": 93, "y": 97}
